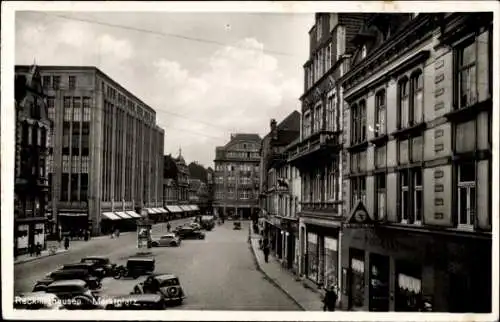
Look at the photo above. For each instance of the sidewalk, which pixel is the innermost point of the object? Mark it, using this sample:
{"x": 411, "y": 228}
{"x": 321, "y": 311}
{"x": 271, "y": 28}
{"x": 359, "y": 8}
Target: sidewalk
{"x": 307, "y": 299}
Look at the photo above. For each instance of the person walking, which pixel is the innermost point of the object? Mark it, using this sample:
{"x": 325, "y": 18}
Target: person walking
{"x": 168, "y": 226}
{"x": 38, "y": 249}
{"x": 31, "y": 249}
{"x": 266, "y": 252}
{"x": 66, "y": 242}
{"x": 330, "y": 299}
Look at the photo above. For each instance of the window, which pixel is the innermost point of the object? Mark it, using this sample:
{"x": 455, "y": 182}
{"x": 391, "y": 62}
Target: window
{"x": 64, "y": 186}
{"x": 74, "y": 187}
{"x": 72, "y": 82}
{"x": 411, "y": 198}
{"x": 466, "y": 70}
{"x": 307, "y": 124}
{"x": 331, "y": 111}
{"x": 66, "y": 136}
{"x": 318, "y": 118}
{"x": 85, "y": 136}
{"x": 77, "y": 112}
{"x": 358, "y": 190}
{"x": 46, "y": 81}
{"x": 380, "y": 198}
{"x": 380, "y": 157}
{"x": 417, "y": 92}
{"x": 380, "y": 113}
{"x": 51, "y": 108}
{"x": 56, "y": 82}
{"x": 466, "y": 194}
{"x": 404, "y": 106}
{"x": 67, "y": 108}
{"x": 86, "y": 109}
{"x": 85, "y": 164}
{"x": 358, "y": 122}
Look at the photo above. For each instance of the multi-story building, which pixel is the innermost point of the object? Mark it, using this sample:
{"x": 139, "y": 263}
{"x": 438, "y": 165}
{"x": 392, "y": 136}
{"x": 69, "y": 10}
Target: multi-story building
{"x": 31, "y": 150}
{"x": 210, "y": 190}
{"x": 182, "y": 183}
{"x": 198, "y": 194}
{"x": 237, "y": 176}
{"x": 418, "y": 135}
{"x": 106, "y": 156}
{"x": 318, "y": 155}
{"x": 277, "y": 198}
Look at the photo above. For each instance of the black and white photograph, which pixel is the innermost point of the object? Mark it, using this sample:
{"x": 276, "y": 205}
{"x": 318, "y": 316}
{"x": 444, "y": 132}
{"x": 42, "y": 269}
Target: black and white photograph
{"x": 250, "y": 160}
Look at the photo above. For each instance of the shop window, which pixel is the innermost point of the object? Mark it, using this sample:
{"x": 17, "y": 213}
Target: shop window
{"x": 312, "y": 257}
{"x": 379, "y": 283}
{"x": 408, "y": 287}
{"x": 357, "y": 279}
{"x": 331, "y": 262}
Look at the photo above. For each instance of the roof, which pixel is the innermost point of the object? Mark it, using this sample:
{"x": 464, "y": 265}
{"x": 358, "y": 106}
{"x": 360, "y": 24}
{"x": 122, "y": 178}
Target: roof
{"x": 245, "y": 136}
{"x": 291, "y": 122}
{"x": 68, "y": 283}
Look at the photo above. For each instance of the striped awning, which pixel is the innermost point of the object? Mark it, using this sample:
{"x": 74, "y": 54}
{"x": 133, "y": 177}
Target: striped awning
{"x": 123, "y": 215}
{"x": 150, "y": 211}
{"x": 162, "y": 210}
{"x": 72, "y": 214}
{"x": 173, "y": 208}
{"x": 185, "y": 208}
{"x": 133, "y": 214}
{"x": 110, "y": 216}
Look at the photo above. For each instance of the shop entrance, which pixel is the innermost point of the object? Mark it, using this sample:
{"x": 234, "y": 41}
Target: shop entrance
{"x": 379, "y": 283}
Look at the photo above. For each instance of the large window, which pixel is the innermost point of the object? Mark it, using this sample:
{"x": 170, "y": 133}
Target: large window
{"x": 466, "y": 70}
{"x": 417, "y": 94}
{"x": 331, "y": 112}
{"x": 318, "y": 117}
{"x": 358, "y": 190}
{"x": 411, "y": 196}
{"x": 408, "y": 287}
{"x": 312, "y": 256}
{"x": 380, "y": 198}
{"x": 357, "y": 280}
{"x": 358, "y": 122}
{"x": 404, "y": 104}
{"x": 51, "y": 108}
{"x": 466, "y": 194}
{"x": 331, "y": 262}
{"x": 332, "y": 187}
{"x": 380, "y": 113}
{"x": 72, "y": 82}
{"x": 307, "y": 124}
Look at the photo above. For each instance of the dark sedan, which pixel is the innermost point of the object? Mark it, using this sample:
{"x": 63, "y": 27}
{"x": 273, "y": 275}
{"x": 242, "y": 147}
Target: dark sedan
{"x": 190, "y": 233}
{"x": 68, "y": 274}
{"x": 100, "y": 264}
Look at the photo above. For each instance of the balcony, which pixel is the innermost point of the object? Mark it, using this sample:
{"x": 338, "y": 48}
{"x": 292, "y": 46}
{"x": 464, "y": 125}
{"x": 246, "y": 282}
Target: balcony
{"x": 319, "y": 144}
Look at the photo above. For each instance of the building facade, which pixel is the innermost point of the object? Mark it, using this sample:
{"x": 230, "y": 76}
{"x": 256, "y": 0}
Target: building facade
{"x": 182, "y": 180}
{"x": 31, "y": 149}
{"x": 106, "y": 157}
{"x": 318, "y": 155}
{"x": 418, "y": 138}
{"x": 237, "y": 176}
{"x": 279, "y": 201}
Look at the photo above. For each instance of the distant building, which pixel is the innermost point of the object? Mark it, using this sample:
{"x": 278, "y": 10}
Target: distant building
{"x": 106, "y": 154}
{"x": 237, "y": 176}
{"x": 31, "y": 149}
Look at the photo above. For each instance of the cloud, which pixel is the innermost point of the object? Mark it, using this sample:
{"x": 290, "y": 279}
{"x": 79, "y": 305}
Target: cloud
{"x": 239, "y": 90}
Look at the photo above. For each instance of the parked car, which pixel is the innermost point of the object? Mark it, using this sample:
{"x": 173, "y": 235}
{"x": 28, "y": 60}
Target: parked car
{"x": 166, "y": 285}
{"x": 195, "y": 225}
{"x": 68, "y": 274}
{"x": 190, "y": 233}
{"x": 137, "y": 302}
{"x": 37, "y": 301}
{"x": 170, "y": 239}
{"x": 72, "y": 291}
{"x": 88, "y": 266}
{"x": 136, "y": 266}
{"x": 100, "y": 264}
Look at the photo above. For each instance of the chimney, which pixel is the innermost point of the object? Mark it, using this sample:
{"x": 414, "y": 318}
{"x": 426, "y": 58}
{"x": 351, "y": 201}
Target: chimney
{"x": 274, "y": 130}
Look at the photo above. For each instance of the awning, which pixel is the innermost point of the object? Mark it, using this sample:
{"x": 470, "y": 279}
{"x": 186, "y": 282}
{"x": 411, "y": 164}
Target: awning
{"x": 162, "y": 210}
{"x": 133, "y": 214}
{"x": 150, "y": 211}
{"x": 173, "y": 208}
{"x": 157, "y": 210}
{"x": 123, "y": 215}
{"x": 70, "y": 214}
{"x": 195, "y": 207}
{"x": 110, "y": 216}
{"x": 185, "y": 208}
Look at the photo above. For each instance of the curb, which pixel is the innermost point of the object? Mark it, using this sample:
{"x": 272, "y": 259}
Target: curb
{"x": 39, "y": 257}
{"x": 271, "y": 280}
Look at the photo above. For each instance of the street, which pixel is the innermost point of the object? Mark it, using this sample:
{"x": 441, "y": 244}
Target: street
{"x": 217, "y": 273}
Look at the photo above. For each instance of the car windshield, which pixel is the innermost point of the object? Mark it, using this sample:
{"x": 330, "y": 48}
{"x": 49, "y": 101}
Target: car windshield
{"x": 169, "y": 282}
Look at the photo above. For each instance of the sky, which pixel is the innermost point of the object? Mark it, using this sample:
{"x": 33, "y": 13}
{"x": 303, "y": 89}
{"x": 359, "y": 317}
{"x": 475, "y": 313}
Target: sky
{"x": 206, "y": 75}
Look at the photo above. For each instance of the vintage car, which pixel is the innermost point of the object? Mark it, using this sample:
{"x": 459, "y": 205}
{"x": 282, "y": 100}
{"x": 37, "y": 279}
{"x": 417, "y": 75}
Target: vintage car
{"x": 166, "y": 240}
{"x": 69, "y": 274}
{"x": 68, "y": 290}
{"x": 207, "y": 222}
{"x": 136, "y": 266}
{"x": 194, "y": 225}
{"x": 166, "y": 285}
{"x": 88, "y": 266}
{"x": 236, "y": 225}
{"x": 37, "y": 301}
{"x": 136, "y": 302}
{"x": 100, "y": 264}
{"x": 190, "y": 233}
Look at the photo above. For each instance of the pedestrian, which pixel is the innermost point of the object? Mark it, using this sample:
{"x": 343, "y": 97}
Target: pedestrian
{"x": 38, "y": 249}
{"x": 31, "y": 249}
{"x": 266, "y": 252}
{"x": 330, "y": 299}
{"x": 66, "y": 242}
{"x": 168, "y": 226}
{"x": 117, "y": 233}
